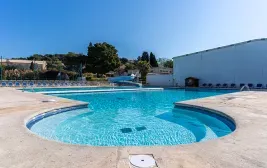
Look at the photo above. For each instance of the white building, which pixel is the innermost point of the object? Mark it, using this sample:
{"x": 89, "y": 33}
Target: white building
{"x": 244, "y": 62}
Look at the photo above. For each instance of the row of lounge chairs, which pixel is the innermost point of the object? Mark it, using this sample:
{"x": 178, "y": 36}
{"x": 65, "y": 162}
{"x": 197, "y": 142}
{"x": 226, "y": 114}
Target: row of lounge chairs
{"x": 42, "y": 83}
{"x": 233, "y": 85}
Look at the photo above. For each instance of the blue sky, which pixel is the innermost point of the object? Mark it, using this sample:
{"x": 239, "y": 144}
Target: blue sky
{"x": 167, "y": 27}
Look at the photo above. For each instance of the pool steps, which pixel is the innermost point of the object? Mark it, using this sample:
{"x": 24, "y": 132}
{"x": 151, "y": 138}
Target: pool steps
{"x": 41, "y": 116}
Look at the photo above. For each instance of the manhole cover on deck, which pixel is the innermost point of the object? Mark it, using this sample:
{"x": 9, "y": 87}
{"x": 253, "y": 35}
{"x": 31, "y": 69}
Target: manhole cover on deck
{"x": 142, "y": 161}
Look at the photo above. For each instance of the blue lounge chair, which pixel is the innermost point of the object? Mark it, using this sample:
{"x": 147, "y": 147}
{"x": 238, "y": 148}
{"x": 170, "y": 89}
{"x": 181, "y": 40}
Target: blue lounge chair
{"x": 232, "y": 85}
{"x": 17, "y": 84}
{"x": 44, "y": 84}
{"x": 10, "y": 84}
{"x": 39, "y": 84}
{"x": 204, "y": 85}
{"x": 75, "y": 83}
{"x": 3, "y": 84}
{"x": 67, "y": 84}
{"x": 225, "y": 85}
{"x": 55, "y": 84}
{"x": 259, "y": 86}
{"x": 31, "y": 84}
{"x": 250, "y": 85}
{"x": 24, "y": 84}
{"x": 51, "y": 84}
{"x": 218, "y": 85}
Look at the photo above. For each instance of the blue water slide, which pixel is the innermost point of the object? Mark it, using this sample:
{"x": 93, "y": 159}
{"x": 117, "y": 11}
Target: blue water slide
{"x": 120, "y": 78}
{"x": 126, "y": 80}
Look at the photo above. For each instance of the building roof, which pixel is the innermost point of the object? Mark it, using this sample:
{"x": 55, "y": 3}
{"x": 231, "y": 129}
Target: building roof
{"x": 241, "y": 43}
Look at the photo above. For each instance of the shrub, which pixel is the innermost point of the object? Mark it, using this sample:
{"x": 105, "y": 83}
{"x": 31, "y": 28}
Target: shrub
{"x": 53, "y": 75}
{"x": 12, "y": 74}
{"x": 71, "y": 74}
{"x": 29, "y": 75}
{"x": 88, "y": 76}
{"x": 97, "y": 79}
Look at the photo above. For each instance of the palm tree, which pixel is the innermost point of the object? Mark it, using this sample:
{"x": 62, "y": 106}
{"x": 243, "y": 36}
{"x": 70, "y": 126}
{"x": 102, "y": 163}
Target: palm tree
{"x": 144, "y": 68}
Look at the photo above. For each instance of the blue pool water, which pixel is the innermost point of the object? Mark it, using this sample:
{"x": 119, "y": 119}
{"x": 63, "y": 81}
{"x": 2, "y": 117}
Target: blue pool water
{"x": 134, "y": 119}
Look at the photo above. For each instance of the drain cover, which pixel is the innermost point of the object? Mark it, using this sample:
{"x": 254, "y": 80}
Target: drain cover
{"x": 49, "y": 100}
{"x": 143, "y": 161}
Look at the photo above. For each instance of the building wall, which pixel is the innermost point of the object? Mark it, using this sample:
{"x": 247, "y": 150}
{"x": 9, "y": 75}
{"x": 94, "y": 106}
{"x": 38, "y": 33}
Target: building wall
{"x": 161, "y": 70}
{"x": 25, "y": 63}
{"x": 159, "y": 79}
{"x": 240, "y": 63}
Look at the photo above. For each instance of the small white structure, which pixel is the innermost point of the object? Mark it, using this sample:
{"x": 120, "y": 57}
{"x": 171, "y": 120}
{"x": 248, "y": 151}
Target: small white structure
{"x": 134, "y": 71}
{"x": 244, "y": 62}
{"x": 161, "y": 70}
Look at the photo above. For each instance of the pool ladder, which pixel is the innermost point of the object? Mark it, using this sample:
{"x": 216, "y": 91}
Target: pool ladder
{"x": 32, "y": 87}
{"x": 113, "y": 85}
{"x": 24, "y": 87}
{"x": 245, "y": 87}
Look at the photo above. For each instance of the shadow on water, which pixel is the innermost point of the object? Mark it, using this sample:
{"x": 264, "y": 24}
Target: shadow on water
{"x": 186, "y": 121}
{"x": 197, "y": 121}
{"x": 219, "y": 124}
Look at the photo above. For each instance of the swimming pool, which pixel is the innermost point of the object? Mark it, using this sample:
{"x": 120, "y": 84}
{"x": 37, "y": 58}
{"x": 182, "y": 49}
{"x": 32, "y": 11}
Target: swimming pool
{"x": 134, "y": 119}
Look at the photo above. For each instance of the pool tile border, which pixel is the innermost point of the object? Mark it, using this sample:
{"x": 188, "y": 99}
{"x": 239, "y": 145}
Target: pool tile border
{"x": 30, "y": 122}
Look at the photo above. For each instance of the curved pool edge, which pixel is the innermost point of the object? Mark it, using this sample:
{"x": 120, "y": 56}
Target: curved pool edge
{"x": 31, "y": 120}
{"x": 209, "y": 110}
{"x": 36, "y": 117}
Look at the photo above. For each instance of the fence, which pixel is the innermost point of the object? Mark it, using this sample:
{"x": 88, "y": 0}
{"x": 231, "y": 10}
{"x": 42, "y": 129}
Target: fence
{"x": 50, "y": 83}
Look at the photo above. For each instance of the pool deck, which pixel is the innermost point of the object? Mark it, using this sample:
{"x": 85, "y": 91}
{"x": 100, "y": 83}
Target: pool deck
{"x": 246, "y": 147}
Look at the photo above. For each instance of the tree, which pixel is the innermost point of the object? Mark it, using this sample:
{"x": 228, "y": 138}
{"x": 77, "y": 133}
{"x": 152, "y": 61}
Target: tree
{"x": 71, "y": 54}
{"x": 37, "y": 57}
{"x": 145, "y": 56}
{"x": 32, "y": 66}
{"x": 129, "y": 66}
{"x": 144, "y": 68}
{"x": 74, "y": 61}
{"x": 123, "y": 60}
{"x": 102, "y": 58}
{"x": 153, "y": 61}
{"x": 168, "y": 64}
{"x": 53, "y": 63}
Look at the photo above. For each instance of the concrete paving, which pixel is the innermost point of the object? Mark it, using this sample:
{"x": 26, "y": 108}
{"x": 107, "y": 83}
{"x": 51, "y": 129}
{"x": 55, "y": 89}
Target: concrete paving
{"x": 245, "y": 147}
